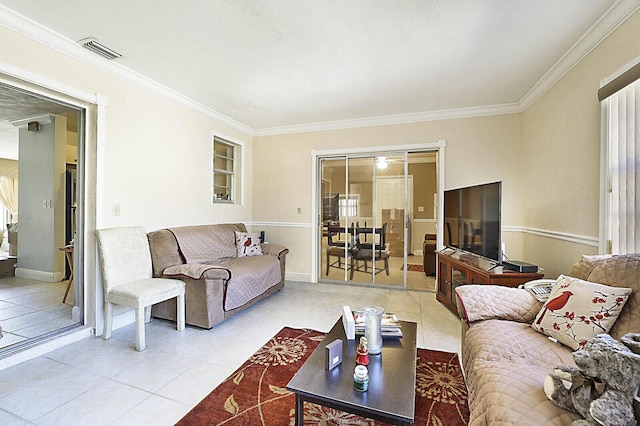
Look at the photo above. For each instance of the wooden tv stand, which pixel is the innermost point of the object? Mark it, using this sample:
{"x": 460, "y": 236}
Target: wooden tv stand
{"x": 462, "y": 268}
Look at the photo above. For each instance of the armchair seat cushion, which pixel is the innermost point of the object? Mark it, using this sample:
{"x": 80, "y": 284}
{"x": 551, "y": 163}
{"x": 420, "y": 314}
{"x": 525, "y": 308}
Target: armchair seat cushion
{"x": 145, "y": 292}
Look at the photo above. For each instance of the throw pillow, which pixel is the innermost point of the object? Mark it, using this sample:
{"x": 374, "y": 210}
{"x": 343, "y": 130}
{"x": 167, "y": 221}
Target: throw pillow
{"x": 248, "y": 244}
{"x": 578, "y": 310}
{"x": 583, "y": 268}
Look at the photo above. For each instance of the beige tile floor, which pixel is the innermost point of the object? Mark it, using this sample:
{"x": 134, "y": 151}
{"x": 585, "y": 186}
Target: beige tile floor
{"x": 415, "y": 280}
{"x": 31, "y": 308}
{"x": 102, "y": 382}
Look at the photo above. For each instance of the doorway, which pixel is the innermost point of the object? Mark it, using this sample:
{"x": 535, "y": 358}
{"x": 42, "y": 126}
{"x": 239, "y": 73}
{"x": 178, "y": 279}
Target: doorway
{"x": 373, "y": 217}
{"x": 40, "y": 295}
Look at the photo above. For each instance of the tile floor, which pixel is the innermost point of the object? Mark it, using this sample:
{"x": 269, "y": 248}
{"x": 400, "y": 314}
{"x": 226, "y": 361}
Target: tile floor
{"x": 102, "y": 382}
{"x": 31, "y": 308}
{"x": 415, "y": 280}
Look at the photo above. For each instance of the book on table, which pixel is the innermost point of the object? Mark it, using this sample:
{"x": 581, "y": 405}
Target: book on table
{"x": 390, "y": 325}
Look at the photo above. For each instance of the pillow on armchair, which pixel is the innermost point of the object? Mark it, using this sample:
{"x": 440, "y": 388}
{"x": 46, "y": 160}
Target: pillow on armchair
{"x": 578, "y": 310}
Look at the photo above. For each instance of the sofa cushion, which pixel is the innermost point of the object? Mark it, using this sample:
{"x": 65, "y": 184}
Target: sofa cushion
{"x": 248, "y": 244}
{"x": 477, "y": 302}
{"x": 585, "y": 265}
{"x": 578, "y": 310}
{"x": 250, "y": 277}
{"x": 197, "y": 271}
{"x": 164, "y": 251}
{"x": 505, "y": 364}
{"x": 210, "y": 244}
{"x": 622, "y": 271}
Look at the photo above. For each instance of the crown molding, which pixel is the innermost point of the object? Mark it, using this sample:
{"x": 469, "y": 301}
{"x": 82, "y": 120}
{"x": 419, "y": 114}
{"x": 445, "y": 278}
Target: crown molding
{"x": 388, "y": 120}
{"x": 23, "y": 122}
{"x": 596, "y": 34}
{"x": 599, "y": 31}
{"x": 35, "y": 31}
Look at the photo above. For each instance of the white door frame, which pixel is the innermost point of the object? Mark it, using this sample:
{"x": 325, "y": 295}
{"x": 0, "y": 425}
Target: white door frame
{"x": 438, "y": 146}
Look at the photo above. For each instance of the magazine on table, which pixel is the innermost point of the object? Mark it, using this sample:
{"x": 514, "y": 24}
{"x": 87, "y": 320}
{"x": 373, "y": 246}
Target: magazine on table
{"x": 390, "y": 325}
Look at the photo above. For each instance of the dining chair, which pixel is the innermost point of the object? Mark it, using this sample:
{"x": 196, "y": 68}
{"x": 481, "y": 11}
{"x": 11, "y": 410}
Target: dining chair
{"x": 339, "y": 245}
{"x": 127, "y": 279}
{"x": 371, "y": 246}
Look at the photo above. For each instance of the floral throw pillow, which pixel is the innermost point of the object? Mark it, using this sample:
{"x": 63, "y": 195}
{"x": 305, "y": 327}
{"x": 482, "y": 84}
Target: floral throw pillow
{"x": 578, "y": 310}
{"x": 248, "y": 244}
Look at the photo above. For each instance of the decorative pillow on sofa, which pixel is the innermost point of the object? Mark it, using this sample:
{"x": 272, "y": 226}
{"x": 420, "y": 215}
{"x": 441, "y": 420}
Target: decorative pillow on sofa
{"x": 248, "y": 244}
{"x": 578, "y": 310}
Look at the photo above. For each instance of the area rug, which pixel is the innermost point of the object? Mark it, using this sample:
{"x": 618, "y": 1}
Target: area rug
{"x": 413, "y": 268}
{"x": 256, "y": 393}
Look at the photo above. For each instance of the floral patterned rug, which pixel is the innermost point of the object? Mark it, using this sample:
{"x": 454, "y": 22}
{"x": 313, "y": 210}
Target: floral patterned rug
{"x": 256, "y": 393}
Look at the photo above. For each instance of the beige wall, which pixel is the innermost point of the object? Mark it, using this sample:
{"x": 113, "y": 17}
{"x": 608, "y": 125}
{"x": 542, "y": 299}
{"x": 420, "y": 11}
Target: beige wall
{"x": 479, "y": 150}
{"x": 547, "y": 157}
{"x": 155, "y": 160}
{"x": 561, "y": 135}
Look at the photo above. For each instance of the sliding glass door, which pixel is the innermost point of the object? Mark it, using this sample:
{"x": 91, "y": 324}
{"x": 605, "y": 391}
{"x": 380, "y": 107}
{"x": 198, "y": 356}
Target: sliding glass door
{"x": 367, "y": 205}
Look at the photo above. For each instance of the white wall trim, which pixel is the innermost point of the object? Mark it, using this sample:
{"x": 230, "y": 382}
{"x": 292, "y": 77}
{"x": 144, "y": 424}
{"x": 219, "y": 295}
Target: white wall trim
{"x": 424, "y": 220}
{"x": 563, "y": 236}
{"x": 28, "y": 28}
{"x": 296, "y": 276}
{"x": 418, "y": 117}
{"x": 23, "y": 123}
{"x": 610, "y": 20}
{"x": 281, "y": 224}
{"x": 50, "y": 277}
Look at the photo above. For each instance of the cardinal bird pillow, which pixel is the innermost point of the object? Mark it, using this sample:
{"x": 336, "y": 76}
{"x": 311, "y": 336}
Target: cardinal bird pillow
{"x": 248, "y": 244}
{"x": 578, "y": 310}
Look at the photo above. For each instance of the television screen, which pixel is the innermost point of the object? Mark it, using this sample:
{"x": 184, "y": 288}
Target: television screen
{"x": 472, "y": 218}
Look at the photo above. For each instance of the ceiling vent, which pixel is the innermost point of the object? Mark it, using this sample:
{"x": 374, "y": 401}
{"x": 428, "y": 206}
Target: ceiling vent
{"x": 96, "y": 47}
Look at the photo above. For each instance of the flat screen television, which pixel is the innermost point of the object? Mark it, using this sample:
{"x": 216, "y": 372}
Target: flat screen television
{"x": 472, "y": 218}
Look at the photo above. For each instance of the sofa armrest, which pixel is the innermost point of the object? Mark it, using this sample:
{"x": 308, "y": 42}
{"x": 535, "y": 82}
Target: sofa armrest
{"x": 274, "y": 249}
{"x": 482, "y": 302}
{"x": 197, "y": 271}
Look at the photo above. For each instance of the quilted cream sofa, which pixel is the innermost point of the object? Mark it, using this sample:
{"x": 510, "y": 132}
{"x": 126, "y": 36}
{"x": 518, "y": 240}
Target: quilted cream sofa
{"x": 505, "y": 360}
{"x": 218, "y": 283}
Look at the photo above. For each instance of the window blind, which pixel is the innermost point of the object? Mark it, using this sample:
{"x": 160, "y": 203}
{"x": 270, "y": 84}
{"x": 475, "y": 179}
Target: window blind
{"x": 624, "y": 169}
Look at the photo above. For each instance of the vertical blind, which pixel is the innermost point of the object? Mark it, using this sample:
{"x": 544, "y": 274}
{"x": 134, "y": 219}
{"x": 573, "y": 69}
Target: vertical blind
{"x": 624, "y": 169}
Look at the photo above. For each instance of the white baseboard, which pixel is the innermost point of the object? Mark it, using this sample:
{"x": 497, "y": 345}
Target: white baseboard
{"x": 294, "y": 276}
{"x": 50, "y": 277}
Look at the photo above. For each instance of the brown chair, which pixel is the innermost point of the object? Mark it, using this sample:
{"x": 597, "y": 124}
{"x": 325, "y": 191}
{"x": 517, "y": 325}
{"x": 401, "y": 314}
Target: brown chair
{"x": 371, "y": 246}
{"x": 339, "y": 238}
{"x": 429, "y": 254}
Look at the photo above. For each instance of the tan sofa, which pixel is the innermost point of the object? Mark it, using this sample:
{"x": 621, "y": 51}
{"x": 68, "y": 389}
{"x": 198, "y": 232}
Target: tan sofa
{"x": 218, "y": 282}
{"x": 505, "y": 360}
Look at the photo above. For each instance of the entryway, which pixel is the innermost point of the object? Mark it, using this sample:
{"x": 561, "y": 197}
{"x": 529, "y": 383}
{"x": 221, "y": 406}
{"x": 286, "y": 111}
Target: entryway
{"x": 374, "y": 209}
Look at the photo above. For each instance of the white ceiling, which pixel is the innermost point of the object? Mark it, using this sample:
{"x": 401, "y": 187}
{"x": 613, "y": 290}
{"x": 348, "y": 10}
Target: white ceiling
{"x": 282, "y": 63}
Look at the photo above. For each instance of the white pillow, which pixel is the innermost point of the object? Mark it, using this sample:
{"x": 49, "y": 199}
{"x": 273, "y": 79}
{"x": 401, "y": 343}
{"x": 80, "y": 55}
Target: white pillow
{"x": 578, "y": 310}
{"x": 248, "y": 244}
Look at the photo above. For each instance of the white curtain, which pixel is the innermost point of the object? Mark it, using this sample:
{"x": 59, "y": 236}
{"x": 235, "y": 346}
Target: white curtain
{"x": 9, "y": 195}
{"x": 624, "y": 170}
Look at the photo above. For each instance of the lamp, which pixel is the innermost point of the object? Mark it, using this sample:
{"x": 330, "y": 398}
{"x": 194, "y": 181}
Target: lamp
{"x": 382, "y": 163}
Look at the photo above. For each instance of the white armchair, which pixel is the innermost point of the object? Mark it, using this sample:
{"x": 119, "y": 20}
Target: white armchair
{"x": 127, "y": 279}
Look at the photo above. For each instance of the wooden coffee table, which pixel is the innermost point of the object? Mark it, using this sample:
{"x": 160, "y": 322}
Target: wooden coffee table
{"x": 392, "y": 379}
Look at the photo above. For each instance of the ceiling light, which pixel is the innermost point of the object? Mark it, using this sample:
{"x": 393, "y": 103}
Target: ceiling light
{"x": 382, "y": 163}
{"x": 97, "y": 47}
